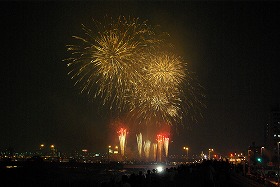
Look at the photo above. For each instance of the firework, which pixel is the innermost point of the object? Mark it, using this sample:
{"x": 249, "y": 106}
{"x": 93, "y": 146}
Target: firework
{"x": 166, "y": 144}
{"x": 165, "y": 69}
{"x": 157, "y": 94}
{"x": 130, "y": 67}
{"x": 139, "y": 143}
{"x": 147, "y": 148}
{"x": 155, "y": 150}
{"x": 109, "y": 55}
{"x": 193, "y": 98}
{"x": 120, "y": 61}
{"x": 160, "y": 146}
{"x": 122, "y": 138}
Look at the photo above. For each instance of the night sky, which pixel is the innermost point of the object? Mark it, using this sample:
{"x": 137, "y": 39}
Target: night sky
{"x": 232, "y": 46}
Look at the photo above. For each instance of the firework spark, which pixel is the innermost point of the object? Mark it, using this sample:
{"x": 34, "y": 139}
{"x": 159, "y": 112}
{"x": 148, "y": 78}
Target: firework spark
{"x": 155, "y": 150}
{"x": 166, "y": 144}
{"x": 160, "y": 146}
{"x": 147, "y": 148}
{"x": 139, "y": 143}
{"x": 122, "y": 138}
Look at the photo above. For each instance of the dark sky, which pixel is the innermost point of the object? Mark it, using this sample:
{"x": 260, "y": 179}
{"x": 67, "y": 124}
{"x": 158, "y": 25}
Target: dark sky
{"x": 232, "y": 46}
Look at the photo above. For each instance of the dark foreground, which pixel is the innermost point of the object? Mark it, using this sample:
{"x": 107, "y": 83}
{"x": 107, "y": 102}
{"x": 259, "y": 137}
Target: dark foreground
{"x": 207, "y": 174}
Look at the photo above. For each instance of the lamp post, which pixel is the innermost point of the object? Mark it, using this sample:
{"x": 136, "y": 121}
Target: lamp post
{"x": 109, "y": 147}
{"x": 187, "y": 149}
{"x": 249, "y": 161}
{"x": 53, "y": 150}
{"x": 278, "y": 162}
{"x": 41, "y": 149}
{"x": 262, "y": 151}
{"x": 210, "y": 150}
{"x": 117, "y": 149}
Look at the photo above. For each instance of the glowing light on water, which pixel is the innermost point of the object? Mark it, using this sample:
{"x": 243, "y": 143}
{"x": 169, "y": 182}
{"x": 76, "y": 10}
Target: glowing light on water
{"x": 147, "y": 148}
{"x": 139, "y": 143}
{"x": 122, "y": 138}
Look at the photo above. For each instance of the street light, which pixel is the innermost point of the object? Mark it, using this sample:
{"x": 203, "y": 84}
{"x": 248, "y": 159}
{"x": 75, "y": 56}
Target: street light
{"x": 210, "y": 150}
{"x": 278, "y": 161}
{"x": 262, "y": 151}
{"x": 53, "y": 150}
{"x": 41, "y": 149}
{"x": 187, "y": 149}
{"x": 109, "y": 149}
{"x": 117, "y": 150}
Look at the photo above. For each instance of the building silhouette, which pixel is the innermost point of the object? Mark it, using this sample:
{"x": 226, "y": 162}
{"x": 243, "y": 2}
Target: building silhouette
{"x": 272, "y": 133}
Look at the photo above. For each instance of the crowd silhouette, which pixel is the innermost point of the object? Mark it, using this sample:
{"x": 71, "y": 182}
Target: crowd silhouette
{"x": 208, "y": 173}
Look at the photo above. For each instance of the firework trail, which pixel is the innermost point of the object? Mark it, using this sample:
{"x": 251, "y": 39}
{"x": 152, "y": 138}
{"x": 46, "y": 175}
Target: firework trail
{"x": 166, "y": 144}
{"x": 147, "y": 148}
{"x": 122, "y": 138}
{"x": 155, "y": 150}
{"x": 139, "y": 143}
{"x": 160, "y": 146}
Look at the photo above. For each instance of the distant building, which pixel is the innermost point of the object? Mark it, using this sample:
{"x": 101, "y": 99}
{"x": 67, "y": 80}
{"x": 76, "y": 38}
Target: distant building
{"x": 272, "y": 132}
{"x": 255, "y": 152}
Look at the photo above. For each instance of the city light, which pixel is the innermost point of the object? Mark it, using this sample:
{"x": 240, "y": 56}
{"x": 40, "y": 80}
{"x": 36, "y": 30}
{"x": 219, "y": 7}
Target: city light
{"x": 210, "y": 150}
